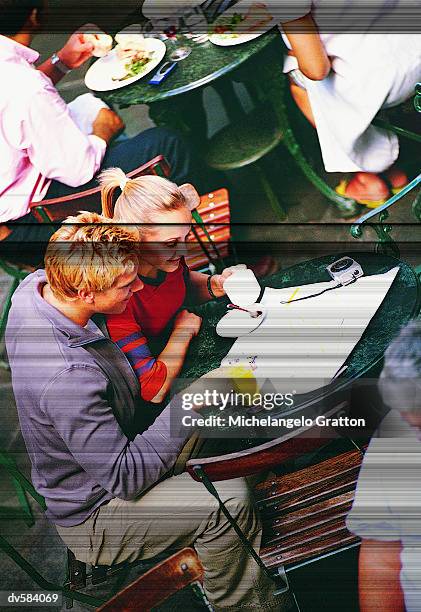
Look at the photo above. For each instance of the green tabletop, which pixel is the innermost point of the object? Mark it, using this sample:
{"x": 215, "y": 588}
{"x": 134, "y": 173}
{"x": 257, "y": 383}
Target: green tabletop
{"x": 401, "y": 304}
{"x": 205, "y": 64}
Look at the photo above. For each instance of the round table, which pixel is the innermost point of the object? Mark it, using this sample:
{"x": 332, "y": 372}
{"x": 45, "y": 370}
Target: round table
{"x": 401, "y": 304}
{"x": 207, "y": 64}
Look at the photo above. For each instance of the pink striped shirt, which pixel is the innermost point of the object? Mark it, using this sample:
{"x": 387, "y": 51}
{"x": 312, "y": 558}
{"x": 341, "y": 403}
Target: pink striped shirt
{"x": 39, "y": 141}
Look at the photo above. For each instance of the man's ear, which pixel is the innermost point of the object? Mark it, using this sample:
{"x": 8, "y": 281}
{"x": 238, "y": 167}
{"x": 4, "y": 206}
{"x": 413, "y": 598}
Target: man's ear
{"x": 191, "y": 196}
{"x": 86, "y": 296}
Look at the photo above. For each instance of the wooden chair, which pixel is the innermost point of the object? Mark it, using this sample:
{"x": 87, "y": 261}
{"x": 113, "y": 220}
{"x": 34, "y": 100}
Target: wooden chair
{"x": 162, "y": 578}
{"x": 57, "y": 209}
{"x": 303, "y": 512}
{"x": 155, "y": 586}
{"x": 203, "y": 240}
{"x": 208, "y": 241}
{"x": 214, "y": 207}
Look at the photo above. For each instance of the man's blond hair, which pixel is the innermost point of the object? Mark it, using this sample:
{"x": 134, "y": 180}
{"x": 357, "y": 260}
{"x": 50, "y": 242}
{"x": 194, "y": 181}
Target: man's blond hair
{"x": 90, "y": 253}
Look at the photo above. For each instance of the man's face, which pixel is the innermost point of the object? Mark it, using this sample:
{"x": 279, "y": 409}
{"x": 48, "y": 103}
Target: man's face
{"x": 115, "y": 299}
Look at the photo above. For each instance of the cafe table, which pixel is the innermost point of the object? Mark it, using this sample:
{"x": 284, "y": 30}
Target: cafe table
{"x": 400, "y": 305}
{"x": 177, "y": 102}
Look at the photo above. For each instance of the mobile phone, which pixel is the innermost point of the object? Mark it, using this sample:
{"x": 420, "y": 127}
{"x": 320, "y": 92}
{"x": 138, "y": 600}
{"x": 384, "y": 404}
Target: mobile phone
{"x": 162, "y": 73}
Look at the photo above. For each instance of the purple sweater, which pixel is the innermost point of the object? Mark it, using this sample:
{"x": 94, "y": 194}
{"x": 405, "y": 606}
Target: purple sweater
{"x": 80, "y": 456}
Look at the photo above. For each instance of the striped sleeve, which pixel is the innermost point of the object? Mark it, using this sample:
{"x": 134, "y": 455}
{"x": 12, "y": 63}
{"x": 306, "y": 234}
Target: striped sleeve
{"x": 127, "y": 334}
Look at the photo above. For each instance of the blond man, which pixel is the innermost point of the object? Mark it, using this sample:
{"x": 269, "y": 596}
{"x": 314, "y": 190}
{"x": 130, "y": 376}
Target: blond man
{"x": 78, "y": 401}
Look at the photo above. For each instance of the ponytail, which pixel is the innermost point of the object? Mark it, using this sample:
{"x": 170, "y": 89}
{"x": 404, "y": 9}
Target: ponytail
{"x": 109, "y": 180}
{"x": 142, "y": 198}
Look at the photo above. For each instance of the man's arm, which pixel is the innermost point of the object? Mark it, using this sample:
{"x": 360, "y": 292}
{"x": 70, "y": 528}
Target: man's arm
{"x": 54, "y": 143}
{"x": 75, "y": 52}
{"x": 77, "y": 403}
{"x": 379, "y": 577}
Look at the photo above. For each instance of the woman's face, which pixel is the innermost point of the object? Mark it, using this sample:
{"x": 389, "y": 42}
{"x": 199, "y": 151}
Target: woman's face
{"x": 163, "y": 243}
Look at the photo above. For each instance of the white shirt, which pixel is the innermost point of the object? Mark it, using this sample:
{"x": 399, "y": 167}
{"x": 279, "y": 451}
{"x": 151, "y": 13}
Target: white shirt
{"x": 387, "y": 504}
{"x": 39, "y": 140}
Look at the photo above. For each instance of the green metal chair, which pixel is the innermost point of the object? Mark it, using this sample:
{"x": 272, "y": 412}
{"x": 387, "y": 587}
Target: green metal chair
{"x": 246, "y": 142}
{"x": 249, "y": 137}
{"x": 17, "y": 275}
{"x": 22, "y": 487}
{"x": 383, "y": 230}
{"x": 269, "y": 91}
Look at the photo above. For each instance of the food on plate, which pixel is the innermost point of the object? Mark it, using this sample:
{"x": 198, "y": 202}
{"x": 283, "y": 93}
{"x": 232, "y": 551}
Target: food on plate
{"x": 133, "y": 59}
{"x": 235, "y": 23}
{"x": 127, "y": 49}
{"x": 102, "y": 43}
{"x": 129, "y": 37}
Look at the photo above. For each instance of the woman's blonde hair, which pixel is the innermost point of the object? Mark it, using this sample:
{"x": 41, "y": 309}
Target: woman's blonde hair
{"x": 143, "y": 197}
{"x": 87, "y": 252}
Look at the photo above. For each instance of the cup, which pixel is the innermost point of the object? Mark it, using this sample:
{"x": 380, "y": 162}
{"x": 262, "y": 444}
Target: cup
{"x": 196, "y": 25}
{"x": 242, "y": 287}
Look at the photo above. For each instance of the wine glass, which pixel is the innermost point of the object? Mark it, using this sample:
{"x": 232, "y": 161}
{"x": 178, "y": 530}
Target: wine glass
{"x": 171, "y": 29}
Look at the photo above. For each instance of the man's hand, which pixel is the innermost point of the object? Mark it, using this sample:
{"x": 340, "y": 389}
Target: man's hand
{"x": 187, "y": 323}
{"x": 76, "y": 51}
{"x": 218, "y": 280}
{"x": 107, "y": 125}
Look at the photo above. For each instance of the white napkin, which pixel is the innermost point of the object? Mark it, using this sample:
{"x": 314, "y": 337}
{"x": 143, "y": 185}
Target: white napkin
{"x": 84, "y": 110}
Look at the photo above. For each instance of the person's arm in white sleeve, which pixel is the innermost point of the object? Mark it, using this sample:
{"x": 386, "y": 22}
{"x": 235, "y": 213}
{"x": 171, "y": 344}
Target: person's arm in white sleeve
{"x": 55, "y": 145}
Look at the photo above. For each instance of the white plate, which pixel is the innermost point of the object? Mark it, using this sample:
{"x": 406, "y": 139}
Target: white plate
{"x": 230, "y": 40}
{"x": 239, "y": 323}
{"x": 221, "y": 41}
{"x": 99, "y": 75}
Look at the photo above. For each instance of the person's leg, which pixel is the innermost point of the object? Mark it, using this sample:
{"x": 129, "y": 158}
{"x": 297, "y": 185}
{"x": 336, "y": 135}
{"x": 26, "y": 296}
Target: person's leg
{"x": 138, "y": 150}
{"x": 179, "y": 512}
{"x": 362, "y": 185}
{"x": 133, "y": 152}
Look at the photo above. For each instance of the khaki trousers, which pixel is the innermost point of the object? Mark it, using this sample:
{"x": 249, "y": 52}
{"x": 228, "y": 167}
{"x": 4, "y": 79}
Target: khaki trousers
{"x": 179, "y": 512}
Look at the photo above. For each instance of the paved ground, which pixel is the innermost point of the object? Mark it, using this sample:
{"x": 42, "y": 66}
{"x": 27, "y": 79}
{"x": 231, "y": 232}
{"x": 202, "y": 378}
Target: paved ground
{"x": 313, "y": 226}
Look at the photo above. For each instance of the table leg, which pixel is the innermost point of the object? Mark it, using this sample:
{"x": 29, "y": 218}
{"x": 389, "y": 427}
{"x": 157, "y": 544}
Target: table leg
{"x": 225, "y": 90}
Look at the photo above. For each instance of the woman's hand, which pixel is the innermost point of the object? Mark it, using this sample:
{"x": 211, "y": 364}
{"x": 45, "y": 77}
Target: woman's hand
{"x": 187, "y": 323}
{"x": 218, "y": 280}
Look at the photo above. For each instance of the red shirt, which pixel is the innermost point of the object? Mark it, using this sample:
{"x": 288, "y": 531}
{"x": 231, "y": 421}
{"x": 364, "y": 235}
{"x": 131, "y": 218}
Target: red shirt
{"x": 147, "y": 315}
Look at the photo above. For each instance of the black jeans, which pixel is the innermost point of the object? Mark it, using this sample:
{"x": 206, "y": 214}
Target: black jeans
{"x": 28, "y": 240}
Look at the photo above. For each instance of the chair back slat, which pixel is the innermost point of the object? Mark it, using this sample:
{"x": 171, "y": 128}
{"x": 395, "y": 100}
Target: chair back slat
{"x": 311, "y": 521}
{"x": 57, "y": 209}
{"x": 214, "y": 212}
